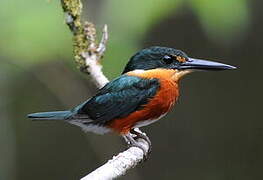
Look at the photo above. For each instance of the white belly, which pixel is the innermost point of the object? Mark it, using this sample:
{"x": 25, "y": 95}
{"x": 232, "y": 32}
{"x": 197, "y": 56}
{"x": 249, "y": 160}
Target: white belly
{"x": 91, "y": 127}
{"x": 147, "y": 122}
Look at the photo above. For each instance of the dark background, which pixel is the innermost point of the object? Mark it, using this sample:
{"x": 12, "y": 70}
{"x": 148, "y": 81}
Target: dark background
{"x": 215, "y": 131}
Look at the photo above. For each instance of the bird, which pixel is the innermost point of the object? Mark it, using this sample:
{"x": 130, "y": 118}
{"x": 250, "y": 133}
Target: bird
{"x": 145, "y": 92}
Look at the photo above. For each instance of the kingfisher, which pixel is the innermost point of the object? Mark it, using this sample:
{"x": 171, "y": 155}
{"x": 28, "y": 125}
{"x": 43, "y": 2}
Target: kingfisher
{"x": 146, "y": 90}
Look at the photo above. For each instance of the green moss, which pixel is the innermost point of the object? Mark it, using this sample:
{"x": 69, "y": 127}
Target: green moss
{"x": 73, "y": 8}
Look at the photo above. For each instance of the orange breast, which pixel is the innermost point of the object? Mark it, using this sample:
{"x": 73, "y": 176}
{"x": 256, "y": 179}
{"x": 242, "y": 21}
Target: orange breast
{"x": 157, "y": 106}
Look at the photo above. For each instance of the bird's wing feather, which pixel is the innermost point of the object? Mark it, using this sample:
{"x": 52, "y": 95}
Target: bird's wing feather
{"x": 118, "y": 99}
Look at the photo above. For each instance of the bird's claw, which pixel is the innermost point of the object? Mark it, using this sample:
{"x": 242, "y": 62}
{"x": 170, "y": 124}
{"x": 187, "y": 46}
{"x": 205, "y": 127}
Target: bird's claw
{"x": 139, "y": 145}
{"x": 143, "y": 136}
{"x": 131, "y": 140}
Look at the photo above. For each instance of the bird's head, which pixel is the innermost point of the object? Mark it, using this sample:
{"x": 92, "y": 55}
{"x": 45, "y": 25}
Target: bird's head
{"x": 170, "y": 58}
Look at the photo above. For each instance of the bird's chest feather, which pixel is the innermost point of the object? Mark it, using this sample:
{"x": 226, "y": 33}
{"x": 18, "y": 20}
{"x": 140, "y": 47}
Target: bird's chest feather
{"x": 156, "y": 107}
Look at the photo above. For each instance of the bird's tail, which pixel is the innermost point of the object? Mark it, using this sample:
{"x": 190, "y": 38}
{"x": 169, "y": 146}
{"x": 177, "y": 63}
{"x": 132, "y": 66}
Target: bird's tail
{"x": 54, "y": 115}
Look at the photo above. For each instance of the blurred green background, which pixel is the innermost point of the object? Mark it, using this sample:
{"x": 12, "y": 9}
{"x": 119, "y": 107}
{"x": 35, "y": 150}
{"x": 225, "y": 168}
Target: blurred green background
{"x": 214, "y": 133}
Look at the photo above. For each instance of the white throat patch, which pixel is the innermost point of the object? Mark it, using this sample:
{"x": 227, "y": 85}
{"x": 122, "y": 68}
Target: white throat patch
{"x": 138, "y": 71}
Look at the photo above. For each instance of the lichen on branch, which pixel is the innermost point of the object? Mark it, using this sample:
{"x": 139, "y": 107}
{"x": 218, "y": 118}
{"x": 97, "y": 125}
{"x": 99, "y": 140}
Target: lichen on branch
{"x": 84, "y": 33}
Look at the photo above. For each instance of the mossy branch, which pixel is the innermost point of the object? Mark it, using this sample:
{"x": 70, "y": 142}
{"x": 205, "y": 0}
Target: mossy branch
{"x": 84, "y": 35}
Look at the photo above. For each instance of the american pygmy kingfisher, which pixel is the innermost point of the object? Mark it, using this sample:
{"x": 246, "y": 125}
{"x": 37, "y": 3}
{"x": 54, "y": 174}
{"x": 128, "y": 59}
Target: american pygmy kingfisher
{"x": 145, "y": 92}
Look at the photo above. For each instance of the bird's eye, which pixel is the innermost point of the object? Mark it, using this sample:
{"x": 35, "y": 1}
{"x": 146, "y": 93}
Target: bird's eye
{"x": 168, "y": 59}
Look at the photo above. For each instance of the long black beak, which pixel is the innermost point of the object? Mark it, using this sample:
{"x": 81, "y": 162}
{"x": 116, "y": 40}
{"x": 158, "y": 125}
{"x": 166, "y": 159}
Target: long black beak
{"x": 205, "y": 65}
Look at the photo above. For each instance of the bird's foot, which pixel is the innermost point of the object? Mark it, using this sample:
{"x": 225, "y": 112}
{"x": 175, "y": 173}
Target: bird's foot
{"x": 133, "y": 143}
{"x": 143, "y": 136}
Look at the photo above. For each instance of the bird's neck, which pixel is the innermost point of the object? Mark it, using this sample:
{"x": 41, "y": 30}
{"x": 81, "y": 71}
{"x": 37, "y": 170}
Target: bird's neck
{"x": 162, "y": 74}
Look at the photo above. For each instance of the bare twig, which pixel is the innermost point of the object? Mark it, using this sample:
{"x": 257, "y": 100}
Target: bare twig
{"x": 94, "y": 54}
{"x": 119, "y": 165}
{"x": 88, "y": 53}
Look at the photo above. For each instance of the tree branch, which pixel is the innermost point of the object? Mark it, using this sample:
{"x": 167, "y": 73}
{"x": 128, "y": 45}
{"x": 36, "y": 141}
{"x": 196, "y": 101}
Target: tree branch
{"x": 87, "y": 54}
{"x": 120, "y": 164}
